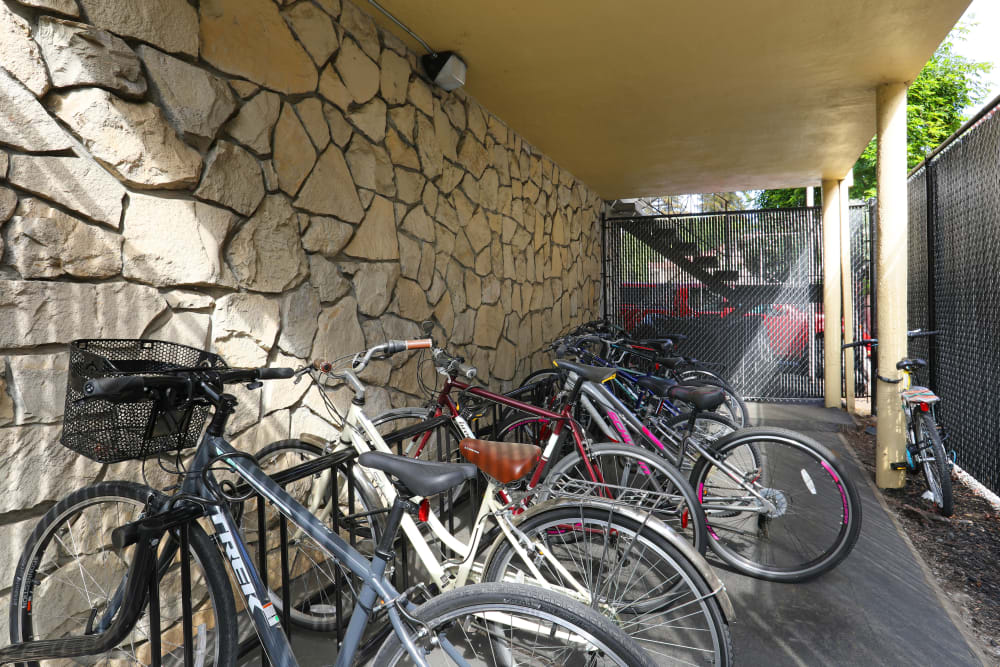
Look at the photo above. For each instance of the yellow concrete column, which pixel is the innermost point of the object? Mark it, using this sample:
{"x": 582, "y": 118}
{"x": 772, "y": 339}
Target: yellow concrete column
{"x": 847, "y": 288}
{"x": 890, "y": 262}
{"x": 831, "y": 293}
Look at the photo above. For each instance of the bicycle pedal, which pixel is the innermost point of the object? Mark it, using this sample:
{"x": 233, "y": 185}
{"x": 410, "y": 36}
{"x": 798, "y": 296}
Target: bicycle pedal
{"x": 899, "y": 465}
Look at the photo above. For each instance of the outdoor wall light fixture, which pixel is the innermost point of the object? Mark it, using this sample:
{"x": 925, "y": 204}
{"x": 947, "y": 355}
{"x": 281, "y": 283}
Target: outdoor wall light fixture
{"x": 445, "y": 69}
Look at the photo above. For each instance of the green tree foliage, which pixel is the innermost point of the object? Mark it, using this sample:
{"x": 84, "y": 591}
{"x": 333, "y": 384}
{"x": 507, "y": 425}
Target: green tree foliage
{"x": 947, "y": 84}
{"x": 786, "y": 198}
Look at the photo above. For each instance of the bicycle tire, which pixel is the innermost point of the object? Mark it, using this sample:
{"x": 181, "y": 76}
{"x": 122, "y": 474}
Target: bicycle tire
{"x": 817, "y": 504}
{"x": 937, "y": 472}
{"x": 323, "y": 589}
{"x": 640, "y": 470}
{"x": 634, "y": 574}
{"x": 43, "y": 587}
{"x": 589, "y": 638}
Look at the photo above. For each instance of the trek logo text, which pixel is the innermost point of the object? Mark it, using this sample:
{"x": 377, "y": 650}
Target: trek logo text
{"x": 240, "y": 570}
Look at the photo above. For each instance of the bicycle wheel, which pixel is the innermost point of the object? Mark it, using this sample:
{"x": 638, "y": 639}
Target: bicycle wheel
{"x": 636, "y": 477}
{"x": 735, "y": 408}
{"x": 815, "y": 517}
{"x": 936, "y": 465}
{"x": 633, "y": 575}
{"x": 68, "y": 574}
{"x": 708, "y": 429}
{"x": 322, "y": 590}
{"x": 512, "y": 624}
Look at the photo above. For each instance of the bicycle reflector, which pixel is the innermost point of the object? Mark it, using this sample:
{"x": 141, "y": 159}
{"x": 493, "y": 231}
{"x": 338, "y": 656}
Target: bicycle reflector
{"x": 424, "y": 511}
{"x": 925, "y": 407}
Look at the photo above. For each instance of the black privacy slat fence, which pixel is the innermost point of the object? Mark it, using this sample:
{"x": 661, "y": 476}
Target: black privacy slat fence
{"x": 954, "y": 287}
{"x": 745, "y": 286}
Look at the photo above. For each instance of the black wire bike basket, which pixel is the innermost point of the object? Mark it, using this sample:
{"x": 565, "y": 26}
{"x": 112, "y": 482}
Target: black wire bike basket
{"x": 109, "y": 432}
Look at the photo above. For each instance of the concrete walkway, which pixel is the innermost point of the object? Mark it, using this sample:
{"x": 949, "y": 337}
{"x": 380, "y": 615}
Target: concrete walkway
{"x": 876, "y": 608}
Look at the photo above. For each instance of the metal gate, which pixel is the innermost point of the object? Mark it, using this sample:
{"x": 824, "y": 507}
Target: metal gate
{"x": 745, "y": 286}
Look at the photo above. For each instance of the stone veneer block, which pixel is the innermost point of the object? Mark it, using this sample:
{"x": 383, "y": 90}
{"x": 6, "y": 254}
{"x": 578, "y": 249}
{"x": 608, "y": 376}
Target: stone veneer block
{"x": 326, "y": 236}
{"x": 78, "y": 54}
{"x": 37, "y": 312}
{"x": 38, "y": 387}
{"x": 24, "y": 124}
{"x": 359, "y": 73}
{"x": 250, "y": 39}
{"x": 299, "y": 319}
{"x": 294, "y": 155}
{"x": 253, "y": 124}
{"x": 330, "y": 189}
{"x": 20, "y": 52}
{"x": 44, "y": 242}
{"x": 45, "y": 469}
{"x": 370, "y": 119}
{"x": 395, "y": 77}
{"x": 76, "y": 183}
{"x": 196, "y": 101}
{"x": 67, "y": 7}
{"x": 171, "y": 25}
{"x": 232, "y": 178}
{"x": 266, "y": 253}
{"x": 376, "y": 236}
{"x": 175, "y": 242}
{"x": 133, "y": 140}
{"x": 314, "y": 29}
{"x": 252, "y": 315}
{"x": 338, "y": 332}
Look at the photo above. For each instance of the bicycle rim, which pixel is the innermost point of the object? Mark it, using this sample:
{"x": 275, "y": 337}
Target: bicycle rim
{"x": 69, "y": 574}
{"x": 936, "y": 466}
{"x": 815, "y": 516}
{"x": 632, "y": 575}
{"x": 509, "y": 624}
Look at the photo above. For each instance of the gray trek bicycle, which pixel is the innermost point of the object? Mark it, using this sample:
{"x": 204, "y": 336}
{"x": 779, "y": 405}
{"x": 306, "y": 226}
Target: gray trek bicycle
{"x": 92, "y": 568}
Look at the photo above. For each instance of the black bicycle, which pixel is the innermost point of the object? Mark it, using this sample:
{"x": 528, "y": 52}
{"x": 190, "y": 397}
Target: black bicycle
{"x": 95, "y": 564}
{"x": 925, "y": 450}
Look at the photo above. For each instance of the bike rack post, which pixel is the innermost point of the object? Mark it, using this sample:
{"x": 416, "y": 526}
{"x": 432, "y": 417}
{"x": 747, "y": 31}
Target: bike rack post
{"x": 186, "y": 596}
{"x": 154, "y": 619}
{"x": 262, "y": 557}
{"x": 286, "y": 589}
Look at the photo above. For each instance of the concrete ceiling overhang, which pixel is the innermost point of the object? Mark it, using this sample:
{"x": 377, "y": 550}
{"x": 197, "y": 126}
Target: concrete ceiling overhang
{"x": 657, "y": 97}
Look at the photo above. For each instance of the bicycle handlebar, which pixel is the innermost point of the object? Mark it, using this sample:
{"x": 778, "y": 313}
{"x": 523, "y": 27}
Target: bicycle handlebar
{"x": 451, "y": 364}
{"x": 127, "y": 388}
{"x": 916, "y": 333}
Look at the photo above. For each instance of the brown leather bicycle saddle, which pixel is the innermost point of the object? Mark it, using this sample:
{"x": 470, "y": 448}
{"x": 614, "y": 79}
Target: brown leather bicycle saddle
{"x": 503, "y": 461}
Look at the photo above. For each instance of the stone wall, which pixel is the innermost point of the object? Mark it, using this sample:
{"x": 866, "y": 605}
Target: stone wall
{"x": 276, "y": 182}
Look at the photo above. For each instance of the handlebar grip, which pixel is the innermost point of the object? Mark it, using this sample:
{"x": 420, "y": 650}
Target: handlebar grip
{"x": 322, "y": 365}
{"x": 466, "y": 370}
{"x": 418, "y": 344}
{"x": 276, "y": 373}
{"x": 122, "y": 388}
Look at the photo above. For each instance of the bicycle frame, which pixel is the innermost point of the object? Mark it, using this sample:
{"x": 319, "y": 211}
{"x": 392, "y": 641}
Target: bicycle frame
{"x": 362, "y": 435}
{"x": 626, "y": 423}
{"x": 560, "y": 419}
{"x": 265, "y": 621}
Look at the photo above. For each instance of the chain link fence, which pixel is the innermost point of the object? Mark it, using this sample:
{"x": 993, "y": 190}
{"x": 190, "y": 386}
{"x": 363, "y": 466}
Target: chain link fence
{"x": 745, "y": 286}
{"x": 954, "y": 264}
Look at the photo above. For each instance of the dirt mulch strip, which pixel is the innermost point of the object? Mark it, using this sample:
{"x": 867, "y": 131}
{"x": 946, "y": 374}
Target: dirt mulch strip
{"x": 962, "y": 551}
